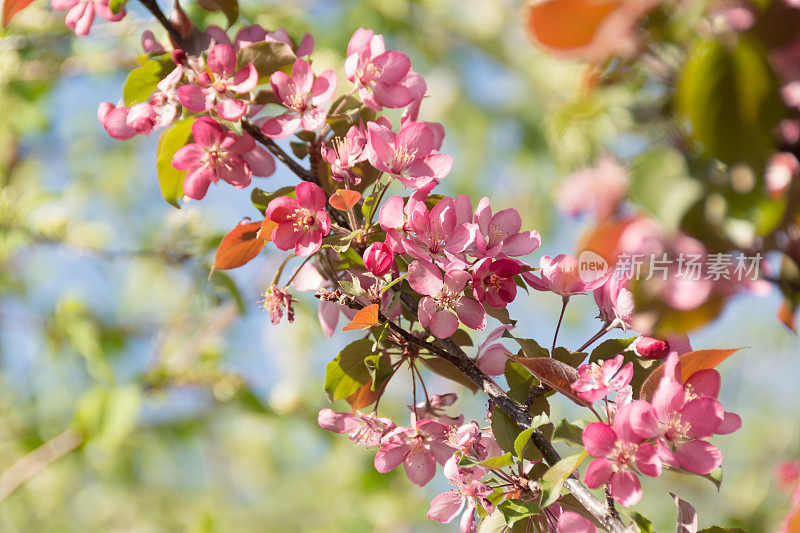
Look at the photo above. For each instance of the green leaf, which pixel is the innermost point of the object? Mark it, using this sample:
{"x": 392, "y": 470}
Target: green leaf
{"x": 499, "y": 314}
{"x": 267, "y": 57}
{"x": 530, "y": 347}
{"x": 397, "y": 280}
{"x": 523, "y": 439}
{"x": 554, "y": 478}
{"x": 729, "y": 94}
{"x": 573, "y": 359}
{"x": 108, "y": 416}
{"x": 660, "y": 183}
{"x": 230, "y": 8}
{"x": 338, "y": 242}
{"x": 347, "y": 372}
{"x": 569, "y": 433}
{"x": 170, "y": 178}
{"x": 261, "y": 199}
{"x": 448, "y": 370}
{"x": 645, "y": 525}
{"x": 715, "y": 476}
{"x": 516, "y": 375}
{"x": 116, "y": 5}
{"x": 380, "y": 368}
{"x": 609, "y": 348}
{"x": 142, "y": 81}
{"x": 515, "y": 510}
{"x": 497, "y": 463}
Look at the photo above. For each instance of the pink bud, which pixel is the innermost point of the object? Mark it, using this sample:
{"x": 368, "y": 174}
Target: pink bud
{"x": 103, "y": 110}
{"x": 178, "y": 56}
{"x": 378, "y": 258}
{"x": 651, "y": 348}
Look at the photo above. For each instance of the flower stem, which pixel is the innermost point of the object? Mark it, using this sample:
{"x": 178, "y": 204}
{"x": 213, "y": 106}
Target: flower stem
{"x": 605, "y": 328}
{"x": 564, "y": 300}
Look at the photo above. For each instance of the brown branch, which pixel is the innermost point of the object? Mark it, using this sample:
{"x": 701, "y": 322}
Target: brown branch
{"x": 450, "y": 351}
{"x": 37, "y": 460}
{"x": 153, "y": 8}
{"x": 255, "y": 132}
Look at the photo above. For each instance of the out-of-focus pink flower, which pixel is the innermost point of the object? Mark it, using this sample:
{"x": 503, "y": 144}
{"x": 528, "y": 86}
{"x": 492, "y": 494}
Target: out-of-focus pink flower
{"x": 218, "y": 153}
{"x": 364, "y": 430}
{"x": 561, "y": 276}
{"x": 81, "y": 13}
{"x": 444, "y": 304}
{"x": 301, "y": 93}
{"x": 378, "y": 258}
{"x": 434, "y": 409}
{"x": 417, "y": 449}
{"x": 275, "y": 301}
{"x": 150, "y": 44}
{"x": 409, "y": 155}
{"x": 781, "y": 168}
{"x": 218, "y": 88}
{"x": 615, "y": 302}
{"x": 467, "y": 494}
{"x": 345, "y": 153}
{"x": 244, "y": 37}
{"x": 499, "y": 234}
{"x": 380, "y": 75}
{"x": 493, "y": 281}
{"x": 598, "y": 190}
{"x": 619, "y": 452}
{"x": 302, "y": 221}
{"x": 491, "y": 358}
{"x": 596, "y": 380}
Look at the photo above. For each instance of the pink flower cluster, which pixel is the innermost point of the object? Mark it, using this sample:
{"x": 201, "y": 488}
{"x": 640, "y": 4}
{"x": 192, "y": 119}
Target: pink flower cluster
{"x": 643, "y": 437}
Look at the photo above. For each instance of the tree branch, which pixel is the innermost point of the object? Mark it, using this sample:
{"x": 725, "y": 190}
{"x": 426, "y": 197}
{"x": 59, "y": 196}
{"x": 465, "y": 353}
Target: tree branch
{"x": 450, "y": 351}
{"x": 153, "y": 8}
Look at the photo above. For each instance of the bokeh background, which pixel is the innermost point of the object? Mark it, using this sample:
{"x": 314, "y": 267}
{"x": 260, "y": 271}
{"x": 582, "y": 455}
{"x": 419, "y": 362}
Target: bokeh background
{"x": 168, "y": 400}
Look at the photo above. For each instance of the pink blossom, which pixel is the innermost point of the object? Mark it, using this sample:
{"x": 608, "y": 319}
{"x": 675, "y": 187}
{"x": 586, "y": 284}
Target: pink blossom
{"x": 468, "y": 493}
{"x": 380, "y": 75}
{"x": 598, "y": 379}
{"x": 378, "y": 258}
{"x": 434, "y": 409}
{"x": 491, "y": 358}
{"x": 275, "y": 301}
{"x": 301, "y": 93}
{"x": 302, "y": 221}
{"x": 619, "y": 452}
{"x": 395, "y": 216}
{"x": 493, "y": 281}
{"x": 464, "y": 437}
{"x": 499, "y": 233}
{"x": 219, "y": 154}
{"x": 436, "y": 233}
{"x": 598, "y": 189}
{"x": 409, "y": 155}
{"x": 615, "y": 302}
{"x": 364, "y": 430}
{"x": 150, "y": 44}
{"x": 345, "y": 153}
{"x": 81, "y": 13}
{"x": 444, "y": 304}
{"x": 218, "y": 88}
{"x": 561, "y": 276}
{"x": 418, "y": 449}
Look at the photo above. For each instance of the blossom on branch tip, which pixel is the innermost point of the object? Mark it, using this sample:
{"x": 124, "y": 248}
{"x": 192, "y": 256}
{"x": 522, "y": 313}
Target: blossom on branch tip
{"x": 218, "y": 153}
{"x": 344, "y": 153}
{"x": 408, "y": 155}
{"x": 301, "y": 93}
{"x": 596, "y": 380}
{"x": 302, "y": 221}
{"x": 493, "y": 281}
{"x": 491, "y": 358}
{"x": 218, "y": 86}
{"x": 468, "y": 493}
{"x": 378, "y": 258}
{"x": 560, "y": 275}
{"x": 499, "y": 233}
{"x": 615, "y": 302}
{"x": 275, "y": 301}
{"x": 364, "y": 430}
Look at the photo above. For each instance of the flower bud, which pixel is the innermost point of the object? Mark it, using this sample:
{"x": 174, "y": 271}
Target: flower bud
{"x": 651, "y": 348}
{"x": 378, "y": 258}
{"x": 178, "y": 56}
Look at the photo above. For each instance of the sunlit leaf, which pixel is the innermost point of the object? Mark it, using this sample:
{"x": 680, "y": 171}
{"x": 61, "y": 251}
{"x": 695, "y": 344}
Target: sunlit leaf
{"x": 12, "y": 7}
{"x": 347, "y": 373}
{"x": 567, "y": 24}
{"x": 554, "y": 478}
{"x": 365, "y": 318}
{"x": 554, "y": 373}
{"x": 170, "y": 179}
{"x": 344, "y": 199}
{"x": 239, "y": 246}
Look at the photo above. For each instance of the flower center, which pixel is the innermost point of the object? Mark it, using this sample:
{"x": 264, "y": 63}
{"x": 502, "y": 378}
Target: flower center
{"x": 298, "y": 102}
{"x": 220, "y": 85}
{"x": 623, "y": 454}
{"x": 403, "y": 158}
{"x": 446, "y": 298}
{"x": 304, "y": 220}
{"x": 494, "y": 281}
{"x": 675, "y": 428}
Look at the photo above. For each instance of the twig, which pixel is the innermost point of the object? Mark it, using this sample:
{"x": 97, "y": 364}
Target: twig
{"x": 153, "y": 8}
{"x": 564, "y": 302}
{"x": 255, "y": 132}
{"x": 37, "y": 460}
{"x": 605, "y": 328}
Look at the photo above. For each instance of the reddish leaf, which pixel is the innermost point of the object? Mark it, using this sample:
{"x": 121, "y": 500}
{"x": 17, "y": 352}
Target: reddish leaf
{"x": 365, "y": 318}
{"x": 12, "y": 7}
{"x": 554, "y": 373}
{"x": 267, "y": 227}
{"x": 603, "y": 239}
{"x": 365, "y": 396}
{"x": 687, "y": 516}
{"x": 690, "y": 363}
{"x": 238, "y": 246}
{"x": 344, "y": 199}
{"x": 786, "y": 315}
{"x": 568, "y": 24}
